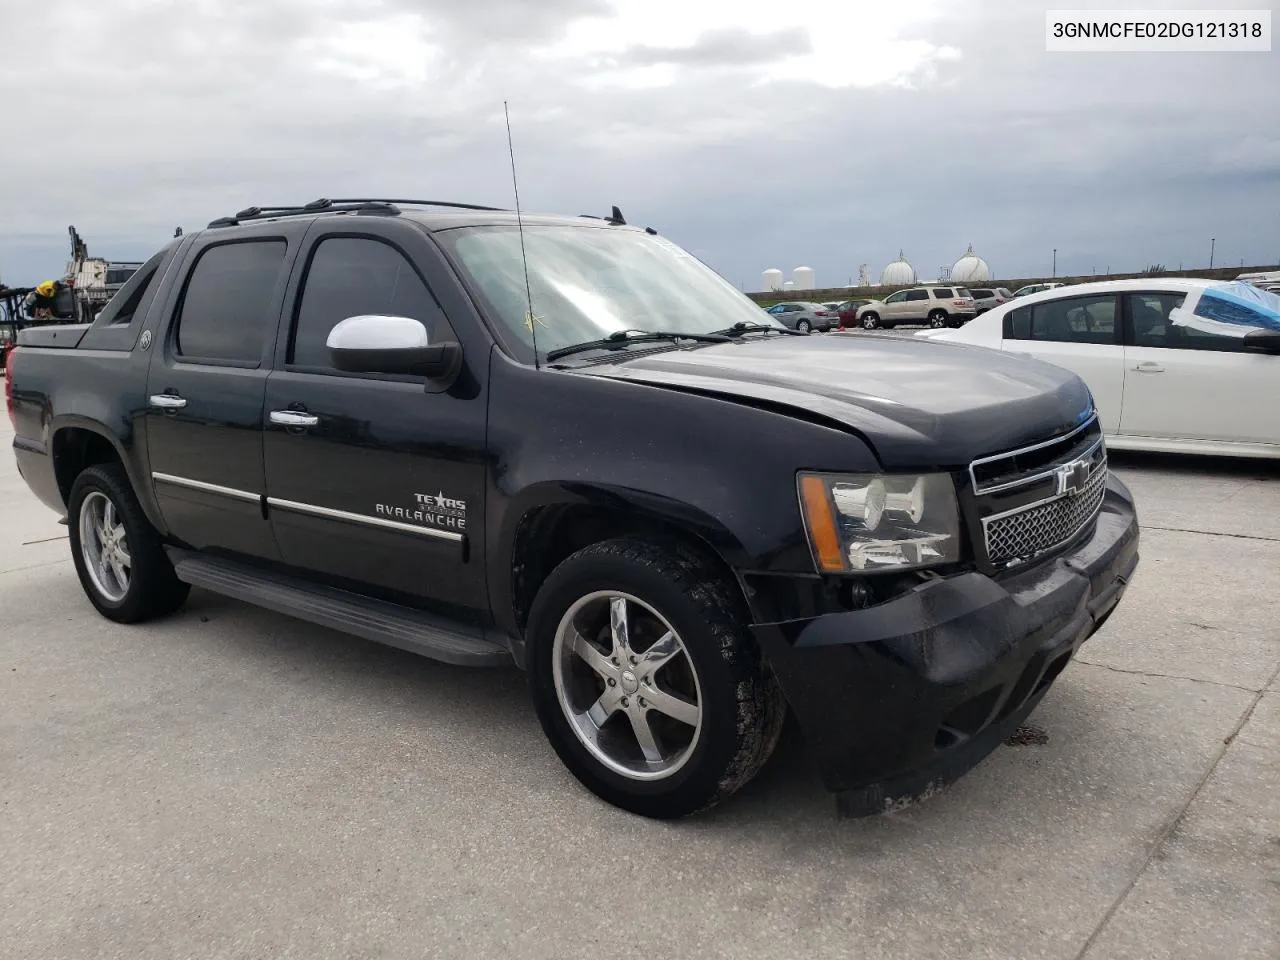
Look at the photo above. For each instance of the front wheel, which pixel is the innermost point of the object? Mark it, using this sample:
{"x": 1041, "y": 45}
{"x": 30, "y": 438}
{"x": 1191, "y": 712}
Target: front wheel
{"x": 646, "y": 680}
{"x": 118, "y": 555}
{"x": 870, "y": 321}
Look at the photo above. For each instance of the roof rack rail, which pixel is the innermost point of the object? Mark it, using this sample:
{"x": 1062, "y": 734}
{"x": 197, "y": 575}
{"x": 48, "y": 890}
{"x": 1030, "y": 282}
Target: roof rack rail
{"x": 365, "y": 207}
{"x": 423, "y": 203}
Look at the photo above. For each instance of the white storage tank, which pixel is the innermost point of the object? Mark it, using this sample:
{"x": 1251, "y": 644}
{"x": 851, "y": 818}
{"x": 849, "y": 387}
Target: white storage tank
{"x": 773, "y": 279}
{"x": 970, "y": 268}
{"x": 898, "y": 274}
{"x": 788, "y": 284}
{"x": 802, "y": 278}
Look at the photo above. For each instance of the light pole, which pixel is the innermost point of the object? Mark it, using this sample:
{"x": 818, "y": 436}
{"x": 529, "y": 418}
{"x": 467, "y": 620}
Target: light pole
{"x": 1212, "y": 242}
{"x": 1055, "y": 261}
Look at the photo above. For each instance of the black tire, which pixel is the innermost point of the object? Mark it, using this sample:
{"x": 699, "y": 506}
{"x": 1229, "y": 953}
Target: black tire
{"x": 870, "y": 321}
{"x": 938, "y": 319}
{"x": 153, "y": 590}
{"x": 742, "y": 706}
{"x": 803, "y": 326}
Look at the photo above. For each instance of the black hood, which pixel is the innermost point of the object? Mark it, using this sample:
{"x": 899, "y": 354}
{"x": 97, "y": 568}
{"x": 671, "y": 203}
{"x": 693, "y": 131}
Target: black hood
{"x": 918, "y": 402}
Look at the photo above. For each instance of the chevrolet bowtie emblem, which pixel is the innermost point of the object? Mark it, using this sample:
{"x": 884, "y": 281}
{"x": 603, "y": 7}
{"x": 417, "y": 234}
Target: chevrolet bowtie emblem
{"x": 1072, "y": 477}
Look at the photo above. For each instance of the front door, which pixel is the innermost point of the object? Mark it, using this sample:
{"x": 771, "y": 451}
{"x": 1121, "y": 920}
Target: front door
{"x": 1184, "y": 382}
{"x": 205, "y": 387}
{"x": 375, "y": 482}
{"x": 891, "y": 312}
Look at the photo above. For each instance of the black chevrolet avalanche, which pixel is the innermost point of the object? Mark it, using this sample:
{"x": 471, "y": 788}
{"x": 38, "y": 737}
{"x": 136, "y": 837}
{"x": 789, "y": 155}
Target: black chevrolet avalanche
{"x": 565, "y": 442}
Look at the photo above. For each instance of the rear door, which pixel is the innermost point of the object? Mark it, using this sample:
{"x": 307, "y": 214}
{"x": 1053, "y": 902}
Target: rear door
{"x": 376, "y": 482}
{"x": 1081, "y": 334}
{"x": 205, "y": 388}
{"x": 1193, "y": 382}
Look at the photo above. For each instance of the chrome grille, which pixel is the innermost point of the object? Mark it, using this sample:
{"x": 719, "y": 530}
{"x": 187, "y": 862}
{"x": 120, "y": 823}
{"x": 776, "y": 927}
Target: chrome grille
{"x": 1035, "y": 499}
{"x": 1032, "y": 530}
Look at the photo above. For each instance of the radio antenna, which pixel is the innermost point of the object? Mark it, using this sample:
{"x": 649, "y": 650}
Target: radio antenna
{"x": 524, "y": 257}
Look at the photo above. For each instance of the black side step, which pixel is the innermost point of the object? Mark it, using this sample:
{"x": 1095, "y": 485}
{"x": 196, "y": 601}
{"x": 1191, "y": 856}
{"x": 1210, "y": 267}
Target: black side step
{"x": 388, "y": 623}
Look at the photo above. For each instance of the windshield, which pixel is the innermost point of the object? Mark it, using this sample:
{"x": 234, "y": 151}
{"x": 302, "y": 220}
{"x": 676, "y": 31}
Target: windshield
{"x": 588, "y": 282}
{"x": 1232, "y": 309}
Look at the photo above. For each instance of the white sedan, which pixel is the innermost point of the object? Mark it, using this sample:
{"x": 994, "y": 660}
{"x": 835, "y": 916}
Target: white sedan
{"x": 1174, "y": 364}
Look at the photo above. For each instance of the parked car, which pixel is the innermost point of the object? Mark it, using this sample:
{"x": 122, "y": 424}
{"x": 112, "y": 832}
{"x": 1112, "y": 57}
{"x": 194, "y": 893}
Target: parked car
{"x": 848, "y": 310}
{"x": 1031, "y": 288}
{"x": 985, "y": 298}
{"x": 1176, "y": 364}
{"x": 804, "y": 316}
{"x": 367, "y": 415}
{"x": 936, "y": 305}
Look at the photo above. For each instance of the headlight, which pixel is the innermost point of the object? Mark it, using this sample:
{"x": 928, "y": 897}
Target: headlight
{"x": 868, "y": 522}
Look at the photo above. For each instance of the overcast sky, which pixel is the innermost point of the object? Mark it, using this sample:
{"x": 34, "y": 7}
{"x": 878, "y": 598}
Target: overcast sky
{"x": 758, "y": 134}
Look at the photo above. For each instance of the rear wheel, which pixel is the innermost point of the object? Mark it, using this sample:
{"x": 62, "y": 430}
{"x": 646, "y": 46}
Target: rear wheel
{"x": 870, "y": 321}
{"x": 803, "y": 326}
{"x": 646, "y": 680}
{"x": 117, "y": 553}
{"x": 938, "y": 318}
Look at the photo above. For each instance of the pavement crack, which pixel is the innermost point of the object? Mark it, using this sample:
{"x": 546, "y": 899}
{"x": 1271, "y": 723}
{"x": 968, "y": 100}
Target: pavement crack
{"x": 1165, "y": 676}
{"x": 1211, "y": 533}
{"x": 35, "y": 566}
{"x": 1176, "y": 820}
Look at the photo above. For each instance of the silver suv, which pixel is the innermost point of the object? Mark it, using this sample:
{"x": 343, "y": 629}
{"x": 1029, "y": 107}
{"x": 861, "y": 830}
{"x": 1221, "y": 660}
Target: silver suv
{"x": 934, "y": 304}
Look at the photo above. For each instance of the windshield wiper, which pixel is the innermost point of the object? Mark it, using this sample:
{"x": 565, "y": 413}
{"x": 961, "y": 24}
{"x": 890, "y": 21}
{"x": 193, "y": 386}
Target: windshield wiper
{"x": 742, "y": 326}
{"x": 620, "y": 338}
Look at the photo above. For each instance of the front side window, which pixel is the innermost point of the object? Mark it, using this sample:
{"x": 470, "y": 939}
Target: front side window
{"x": 1149, "y": 314}
{"x": 896, "y": 297}
{"x": 1075, "y": 320}
{"x": 225, "y": 311}
{"x": 587, "y": 282}
{"x": 355, "y": 276}
{"x": 1219, "y": 321}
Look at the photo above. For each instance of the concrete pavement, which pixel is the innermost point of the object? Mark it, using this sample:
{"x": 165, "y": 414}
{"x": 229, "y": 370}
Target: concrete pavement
{"x": 230, "y": 783}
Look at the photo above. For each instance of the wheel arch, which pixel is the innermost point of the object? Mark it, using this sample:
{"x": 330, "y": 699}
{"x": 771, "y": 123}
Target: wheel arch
{"x": 548, "y": 527}
{"x": 77, "y": 442}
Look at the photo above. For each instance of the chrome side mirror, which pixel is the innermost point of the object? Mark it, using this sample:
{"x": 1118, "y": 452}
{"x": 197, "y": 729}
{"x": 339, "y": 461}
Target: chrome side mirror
{"x": 380, "y": 344}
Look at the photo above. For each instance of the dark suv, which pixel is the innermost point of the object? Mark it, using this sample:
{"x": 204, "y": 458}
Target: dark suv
{"x": 484, "y": 439}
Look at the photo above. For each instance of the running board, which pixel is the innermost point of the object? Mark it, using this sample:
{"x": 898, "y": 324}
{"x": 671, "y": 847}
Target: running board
{"x": 389, "y": 623}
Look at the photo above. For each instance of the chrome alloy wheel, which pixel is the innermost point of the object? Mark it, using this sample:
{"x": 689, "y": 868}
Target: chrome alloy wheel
{"x": 104, "y": 547}
{"x": 627, "y": 685}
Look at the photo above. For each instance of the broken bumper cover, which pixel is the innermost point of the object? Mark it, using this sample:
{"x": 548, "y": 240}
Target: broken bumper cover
{"x": 904, "y": 697}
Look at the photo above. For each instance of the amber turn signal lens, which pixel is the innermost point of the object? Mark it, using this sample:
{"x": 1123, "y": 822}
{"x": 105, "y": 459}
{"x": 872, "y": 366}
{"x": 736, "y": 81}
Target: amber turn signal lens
{"x": 821, "y": 522}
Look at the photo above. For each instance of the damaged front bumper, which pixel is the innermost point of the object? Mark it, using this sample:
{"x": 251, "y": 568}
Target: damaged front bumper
{"x": 901, "y": 698}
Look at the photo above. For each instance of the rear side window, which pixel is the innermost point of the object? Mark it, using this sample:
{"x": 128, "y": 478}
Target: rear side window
{"x": 226, "y": 307}
{"x": 1075, "y": 320}
{"x": 963, "y": 292}
{"x": 1017, "y": 324}
{"x": 942, "y": 293}
{"x": 355, "y": 276}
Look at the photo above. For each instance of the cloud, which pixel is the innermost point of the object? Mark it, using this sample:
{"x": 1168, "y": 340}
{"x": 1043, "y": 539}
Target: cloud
{"x": 733, "y": 47}
{"x": 764, "y": 134}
